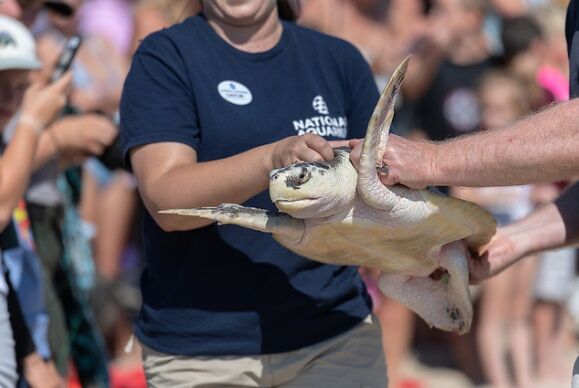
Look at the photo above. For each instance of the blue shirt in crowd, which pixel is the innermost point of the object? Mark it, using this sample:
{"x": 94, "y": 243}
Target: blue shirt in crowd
{"x": 226, "y": 290}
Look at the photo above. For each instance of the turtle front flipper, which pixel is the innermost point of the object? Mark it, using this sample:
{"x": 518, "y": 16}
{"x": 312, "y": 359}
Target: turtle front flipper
{"x": 371, "y": 190}
{"x": 443, "y": 303}
{"x": 248, "y": 217}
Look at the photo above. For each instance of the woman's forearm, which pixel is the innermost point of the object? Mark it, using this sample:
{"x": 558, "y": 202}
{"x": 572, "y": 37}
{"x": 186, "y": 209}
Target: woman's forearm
{"x": 231, "y": 180}
{"x": 169, "y": 175}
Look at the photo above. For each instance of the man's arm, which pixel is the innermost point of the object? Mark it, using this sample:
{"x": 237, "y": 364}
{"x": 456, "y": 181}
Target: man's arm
{"x": 551, "y": 226}
{"x": 538, "y": 148}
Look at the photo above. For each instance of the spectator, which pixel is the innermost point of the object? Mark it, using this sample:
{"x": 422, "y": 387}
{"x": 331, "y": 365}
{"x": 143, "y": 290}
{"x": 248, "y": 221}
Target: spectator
{"x": 99, "y": 69}
{"x": 67, "y": 137}
{"x": 506, "y": 300}
{"x": 110, "y": 20}
{"x": 11, "y": 8}
{"x": 153, "y": 15}
{"x": 32, "y": 112}
{"x": 504, "y": 157}
{"x": 444, "y": 73}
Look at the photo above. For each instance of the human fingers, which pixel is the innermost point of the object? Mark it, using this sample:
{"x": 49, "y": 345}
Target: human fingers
{"x": 354, "y": 142}
{"x": 393, "y": 160}
{"x": 478, "y": 267}
{"x": 105, "y": 131}
{"x": 385, "y": 175}
{"x": 388, "y": 177}
{"x": 88, "y": 133}
{"x": 62, "y": 85}
{"x": 356, "y": 152}
{"x": 339, "y": 143}
{"x": 409, "y": 162}
{"x": 320, "y": 145}
{"x": 293, "y": 149}
{"x": 43, "y": 102}
{"x": 55, "y": 377}
{"x": 99, "y": 135}
{"x": 37, "y": 373}
{"x": 496, "y": 256}
{"x": 300, "y": 152}
{"x": 95, "y": 148}
{"x": 57, "y": 93}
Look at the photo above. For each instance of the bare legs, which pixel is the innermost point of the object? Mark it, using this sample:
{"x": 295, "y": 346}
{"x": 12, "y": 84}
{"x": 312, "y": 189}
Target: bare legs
{"x": 397, "y": 323}
{"x": 505, "y": 314}
{"x": 116, "y": 211}
{"x": 111, "y": 209}
{"x": 550, "y": 332}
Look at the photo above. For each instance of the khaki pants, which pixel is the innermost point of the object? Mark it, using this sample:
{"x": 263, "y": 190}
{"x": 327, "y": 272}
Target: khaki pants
{"x": 354, "y": 359}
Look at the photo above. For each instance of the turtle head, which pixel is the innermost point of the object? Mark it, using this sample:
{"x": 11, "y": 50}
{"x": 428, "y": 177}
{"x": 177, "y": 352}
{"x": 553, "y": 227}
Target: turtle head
{"x": 315, "y": 189}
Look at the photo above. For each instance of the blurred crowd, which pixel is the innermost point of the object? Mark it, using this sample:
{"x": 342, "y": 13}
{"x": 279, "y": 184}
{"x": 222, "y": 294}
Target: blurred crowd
{"x": 71, "y": 246}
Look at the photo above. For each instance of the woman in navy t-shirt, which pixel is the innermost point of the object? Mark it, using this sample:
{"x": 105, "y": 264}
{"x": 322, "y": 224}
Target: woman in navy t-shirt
{"x": 210, "y": 106}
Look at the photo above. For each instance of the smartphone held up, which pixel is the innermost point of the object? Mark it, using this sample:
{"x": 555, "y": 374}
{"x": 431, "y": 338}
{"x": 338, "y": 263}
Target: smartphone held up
{"x": 66, "y": 57}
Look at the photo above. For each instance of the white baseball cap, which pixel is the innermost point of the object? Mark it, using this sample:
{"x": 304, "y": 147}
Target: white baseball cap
{"x": 17, "y": 46}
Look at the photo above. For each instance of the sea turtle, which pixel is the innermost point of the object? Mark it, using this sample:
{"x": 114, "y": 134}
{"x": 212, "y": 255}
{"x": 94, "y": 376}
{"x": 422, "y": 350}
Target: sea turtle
{"x": 334, "y": 214}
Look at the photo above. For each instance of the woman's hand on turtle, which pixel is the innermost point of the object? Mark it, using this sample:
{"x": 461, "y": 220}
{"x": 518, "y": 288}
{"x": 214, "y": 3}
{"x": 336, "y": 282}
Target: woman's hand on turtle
{"x": 306, "y": 148}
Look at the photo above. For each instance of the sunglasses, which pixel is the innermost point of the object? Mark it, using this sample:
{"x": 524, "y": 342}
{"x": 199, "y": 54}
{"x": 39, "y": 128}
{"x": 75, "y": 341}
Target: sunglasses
{"x": 59, "y": 7}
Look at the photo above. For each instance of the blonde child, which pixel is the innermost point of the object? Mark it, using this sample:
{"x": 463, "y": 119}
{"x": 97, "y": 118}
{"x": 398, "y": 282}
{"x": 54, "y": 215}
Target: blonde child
{"x": 506, "y": 299}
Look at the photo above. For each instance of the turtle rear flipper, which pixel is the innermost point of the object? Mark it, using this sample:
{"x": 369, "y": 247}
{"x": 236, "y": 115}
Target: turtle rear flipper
{"x": 444, "y": 303}
{"x": 248, "y": 217}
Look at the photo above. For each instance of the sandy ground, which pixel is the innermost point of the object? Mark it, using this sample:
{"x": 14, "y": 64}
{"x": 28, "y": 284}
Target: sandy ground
{"x": 431, "y": 377}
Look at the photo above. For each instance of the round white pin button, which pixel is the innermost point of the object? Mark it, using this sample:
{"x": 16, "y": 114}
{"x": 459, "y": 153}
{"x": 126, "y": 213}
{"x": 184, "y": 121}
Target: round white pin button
{"x": 234, "y": 92}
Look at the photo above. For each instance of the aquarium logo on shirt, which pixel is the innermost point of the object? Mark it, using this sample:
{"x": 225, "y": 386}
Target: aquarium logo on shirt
{"x": 234, "y": 92}
{"x": 324, "y": 124}
{"x": 319, "y": 105}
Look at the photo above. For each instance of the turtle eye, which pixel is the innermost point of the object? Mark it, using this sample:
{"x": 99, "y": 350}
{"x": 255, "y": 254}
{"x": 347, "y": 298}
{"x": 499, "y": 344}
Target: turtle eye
{"x": 304, "y": 176}
{"x": 299, "y": 179}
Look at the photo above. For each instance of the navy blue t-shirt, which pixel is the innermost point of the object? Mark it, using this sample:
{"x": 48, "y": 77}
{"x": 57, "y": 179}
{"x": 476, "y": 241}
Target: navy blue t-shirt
{"x": 226, "y": 290}
{"x": 572, "y": 32}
